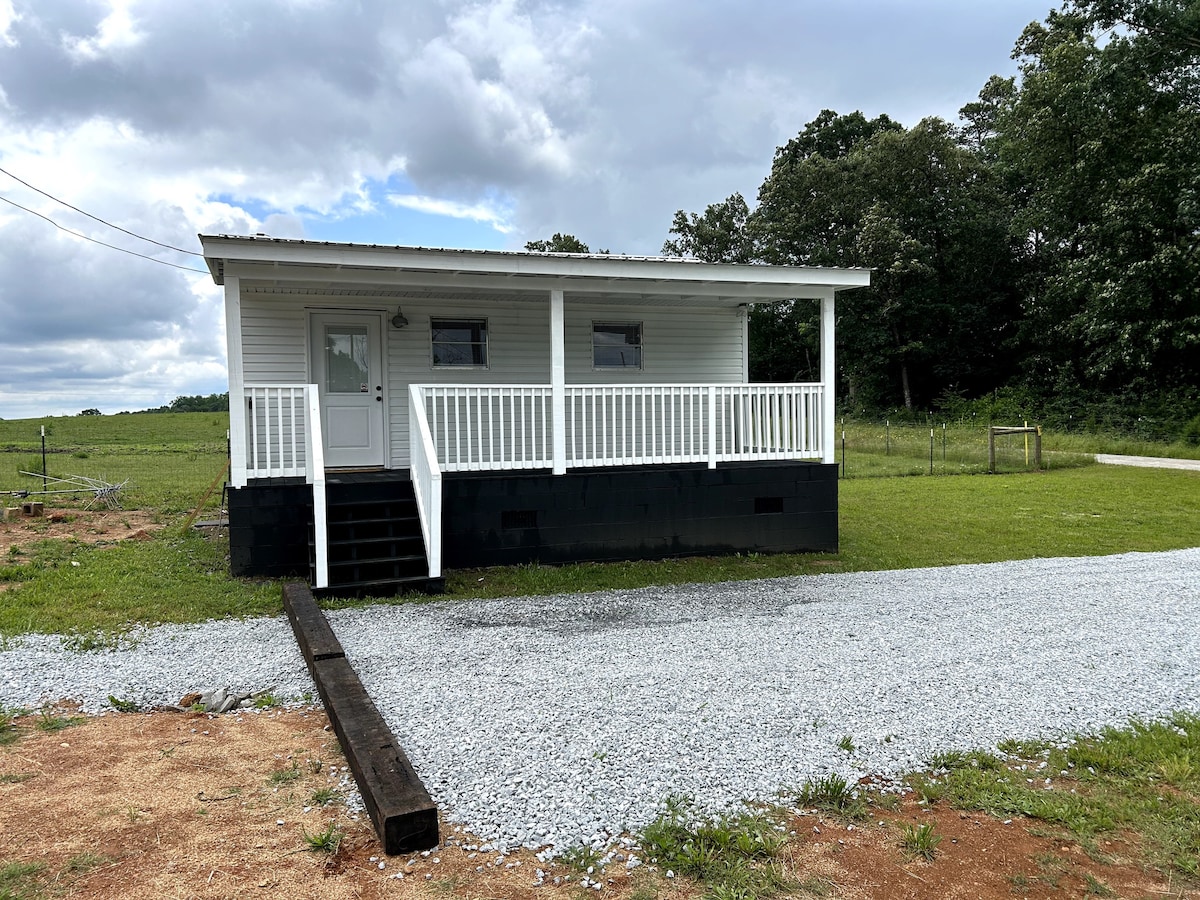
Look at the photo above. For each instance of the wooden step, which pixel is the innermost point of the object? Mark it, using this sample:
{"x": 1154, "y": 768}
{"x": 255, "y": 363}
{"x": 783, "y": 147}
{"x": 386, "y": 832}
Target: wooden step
{"x": 404, "y": 523}
{"x": 377, "y": 560}
{"x": 361, "y": 541}
{"x": 384, "y": 587}
{"x": 375, "y": 544}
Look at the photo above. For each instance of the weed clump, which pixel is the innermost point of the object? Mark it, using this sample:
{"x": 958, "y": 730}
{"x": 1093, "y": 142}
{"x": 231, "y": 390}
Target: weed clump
{"x": 832, "y": 794}
{"x": 325, "y": 841}
{"x": 731, "y": 854}
{"x": 920, "y": 841}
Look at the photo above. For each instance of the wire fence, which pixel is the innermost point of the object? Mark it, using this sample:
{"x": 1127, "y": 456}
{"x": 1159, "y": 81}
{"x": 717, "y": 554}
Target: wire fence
{"x": 879, "y": 449}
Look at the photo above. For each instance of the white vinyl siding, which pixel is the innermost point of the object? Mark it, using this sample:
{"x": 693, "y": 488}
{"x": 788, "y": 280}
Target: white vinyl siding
{"x": 680, "y": 345}
{"x": 274, "y": 339}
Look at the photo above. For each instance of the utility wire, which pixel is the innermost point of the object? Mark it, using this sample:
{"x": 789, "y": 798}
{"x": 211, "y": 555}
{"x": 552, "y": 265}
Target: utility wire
{"x": 161, "y": 262}
{"x": 98, "y": 219}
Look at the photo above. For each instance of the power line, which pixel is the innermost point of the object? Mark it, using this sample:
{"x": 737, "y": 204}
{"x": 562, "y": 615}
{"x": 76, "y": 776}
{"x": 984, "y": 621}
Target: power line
{"x": 161, "y": 262}
{"x": 97, "y": 218}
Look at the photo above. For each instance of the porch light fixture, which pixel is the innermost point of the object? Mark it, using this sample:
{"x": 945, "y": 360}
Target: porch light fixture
{"x": 398, "y": 320}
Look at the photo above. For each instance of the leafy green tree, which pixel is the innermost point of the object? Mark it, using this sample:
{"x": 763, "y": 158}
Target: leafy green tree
{"x": 199, "y": 403}
{"x": 915, "y": 205}
{"x": 720, "y": 235}
{"x": 560, "y": 243}
{"x": 810, "y": 203}
{"x": 925, "y": 214}
{"x": 783, "y": 335}
{"x": 1100, "y": 146}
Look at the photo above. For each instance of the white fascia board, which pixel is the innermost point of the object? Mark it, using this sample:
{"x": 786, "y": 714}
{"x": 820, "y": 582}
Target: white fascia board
{"x": 411, "y": 263}
{"x": 398, "y": 279}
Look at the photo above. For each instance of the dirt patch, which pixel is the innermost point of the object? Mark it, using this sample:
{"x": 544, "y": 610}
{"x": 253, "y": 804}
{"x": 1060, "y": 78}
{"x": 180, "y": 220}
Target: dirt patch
{"x": 183, "y": 804}
{"x": 85, "y": 526}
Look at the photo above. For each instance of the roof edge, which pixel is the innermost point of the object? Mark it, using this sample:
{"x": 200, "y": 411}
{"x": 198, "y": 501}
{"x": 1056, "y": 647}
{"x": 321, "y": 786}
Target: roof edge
{"x": 263, "y": 248}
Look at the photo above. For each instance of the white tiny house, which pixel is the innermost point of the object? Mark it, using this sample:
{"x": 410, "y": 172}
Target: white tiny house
{"x": 479, "y": 390}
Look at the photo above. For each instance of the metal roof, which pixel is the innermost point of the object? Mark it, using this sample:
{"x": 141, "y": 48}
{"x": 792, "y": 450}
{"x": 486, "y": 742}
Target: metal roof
{"x": 280, "y": 262}
{"x": 266, "y": 238}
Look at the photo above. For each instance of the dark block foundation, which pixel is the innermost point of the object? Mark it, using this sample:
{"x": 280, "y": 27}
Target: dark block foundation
{"x": 507, "y": 518}
{"x": 491, "y": 519}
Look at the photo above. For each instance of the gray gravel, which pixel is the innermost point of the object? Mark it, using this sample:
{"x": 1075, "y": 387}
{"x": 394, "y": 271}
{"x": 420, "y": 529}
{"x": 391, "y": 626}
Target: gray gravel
{"x": 565, "y": 720}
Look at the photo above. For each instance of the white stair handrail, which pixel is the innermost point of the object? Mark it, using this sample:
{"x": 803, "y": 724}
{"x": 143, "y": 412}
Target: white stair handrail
{"x": 314, "y": 454}
{"x": 426, "y": 479}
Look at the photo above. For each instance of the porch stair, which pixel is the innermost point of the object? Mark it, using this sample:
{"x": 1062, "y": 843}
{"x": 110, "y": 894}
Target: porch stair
{"x": 375, "y": 546}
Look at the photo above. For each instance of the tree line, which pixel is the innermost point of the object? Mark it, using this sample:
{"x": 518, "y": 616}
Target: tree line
{"x": 1041, "y": 255}
{"x": 193, "y": 403}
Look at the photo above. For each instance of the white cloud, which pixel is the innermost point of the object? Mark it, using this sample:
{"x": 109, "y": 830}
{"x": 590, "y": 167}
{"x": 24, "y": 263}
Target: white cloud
{"x": 116, "y": 32}
{"x": 8, "y": 16}
{"x": 594, "y": 117}
{"x": 476, "y": 212}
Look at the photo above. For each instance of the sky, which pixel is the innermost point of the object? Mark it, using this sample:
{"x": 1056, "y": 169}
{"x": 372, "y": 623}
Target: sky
{"x": 438, "y": 123}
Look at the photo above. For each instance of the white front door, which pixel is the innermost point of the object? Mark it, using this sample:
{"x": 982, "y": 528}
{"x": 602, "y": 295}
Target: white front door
{"x": 347, "y": 366}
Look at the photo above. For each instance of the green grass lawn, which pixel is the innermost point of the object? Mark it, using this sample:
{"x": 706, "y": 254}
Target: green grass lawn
{"x": 142, "y": 431}
{"x": 171, "y": 459}
{"x": 68, "y": 588}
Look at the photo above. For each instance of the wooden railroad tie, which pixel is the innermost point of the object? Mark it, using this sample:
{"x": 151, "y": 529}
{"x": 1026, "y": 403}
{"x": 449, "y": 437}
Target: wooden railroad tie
{"x": 404, "y": 815}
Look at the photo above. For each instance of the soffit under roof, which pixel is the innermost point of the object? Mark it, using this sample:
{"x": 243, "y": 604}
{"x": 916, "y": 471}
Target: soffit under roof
{"x": 303, "y": 267}
{"x": 536, "y": 298}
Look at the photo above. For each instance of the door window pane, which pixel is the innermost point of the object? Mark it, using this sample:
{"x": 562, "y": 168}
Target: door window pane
{"x": 459, "y": 342}
{"x": 347, "y": 366}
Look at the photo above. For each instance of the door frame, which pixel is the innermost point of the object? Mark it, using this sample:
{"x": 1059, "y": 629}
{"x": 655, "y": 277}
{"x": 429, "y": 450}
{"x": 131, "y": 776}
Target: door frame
{"x": 315, "y": 314}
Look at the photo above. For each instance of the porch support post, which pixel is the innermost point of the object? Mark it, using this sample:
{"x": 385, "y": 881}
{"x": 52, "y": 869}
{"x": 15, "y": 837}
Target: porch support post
{"x": 558, "y": 384}
{"x": 828, "y": 378}
{"x": 237, "y": 381}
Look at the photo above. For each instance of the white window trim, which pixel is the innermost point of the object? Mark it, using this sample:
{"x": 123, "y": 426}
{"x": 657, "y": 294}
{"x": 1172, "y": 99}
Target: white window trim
{"x": 641, "y": 326}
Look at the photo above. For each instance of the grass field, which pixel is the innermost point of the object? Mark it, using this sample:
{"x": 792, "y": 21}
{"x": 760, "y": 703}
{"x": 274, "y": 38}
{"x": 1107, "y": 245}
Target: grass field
{"x": 886, "y": 523}
{"x": 168, "y": 459}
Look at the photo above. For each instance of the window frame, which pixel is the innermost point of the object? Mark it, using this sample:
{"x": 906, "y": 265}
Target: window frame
{"x": 485, "y": 343}
{"x": 641, "y": 345}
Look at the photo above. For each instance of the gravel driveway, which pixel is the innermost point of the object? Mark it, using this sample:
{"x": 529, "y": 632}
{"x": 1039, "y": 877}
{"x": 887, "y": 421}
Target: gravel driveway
{"x": 561, "y": 720}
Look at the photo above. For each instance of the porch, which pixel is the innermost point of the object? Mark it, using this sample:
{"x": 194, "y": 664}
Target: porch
{"x": 613, "y": 387}
{"x": 527, "y": 483}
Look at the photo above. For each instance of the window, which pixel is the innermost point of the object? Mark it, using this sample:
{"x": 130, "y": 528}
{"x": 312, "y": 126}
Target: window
{"x": 459, "y": 342}
{"x": 617, "y": 345}
{"x": 347, "y": 365}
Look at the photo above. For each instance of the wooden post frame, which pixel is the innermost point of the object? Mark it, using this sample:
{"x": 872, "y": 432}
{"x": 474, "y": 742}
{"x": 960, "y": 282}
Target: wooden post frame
{"x": 996, "y": 430}
{"x": 237, "y": 398}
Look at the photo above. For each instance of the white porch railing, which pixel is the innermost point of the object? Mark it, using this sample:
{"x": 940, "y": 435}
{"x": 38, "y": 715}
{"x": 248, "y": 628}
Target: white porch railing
{"x": 497, "y": 427}
{"x": 477, "y": 427}
{"x": 277, "y": 429}
{"x": 282, "y": 431}
{"x": 457, "y": 428}
{"x": 426, "y": 479}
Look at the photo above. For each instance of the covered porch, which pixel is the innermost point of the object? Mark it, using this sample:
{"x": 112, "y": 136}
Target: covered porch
{"x": 578, "y": 417}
